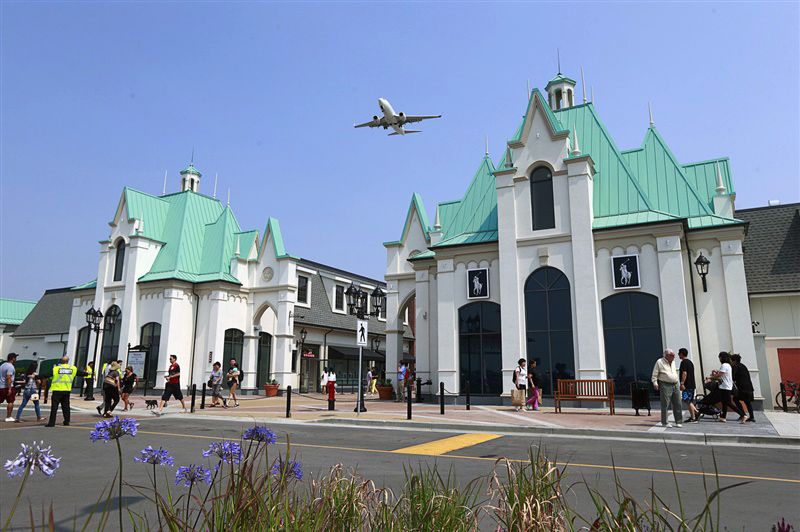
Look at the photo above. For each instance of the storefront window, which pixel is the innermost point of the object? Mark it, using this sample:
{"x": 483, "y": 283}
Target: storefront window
{"x": 480, "y": 353}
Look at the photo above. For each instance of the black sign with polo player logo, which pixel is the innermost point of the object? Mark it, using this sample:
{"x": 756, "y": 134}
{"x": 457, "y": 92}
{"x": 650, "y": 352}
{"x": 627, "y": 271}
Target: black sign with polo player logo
{"x": 478, "y": 283}
{"x": 625, "y": 270}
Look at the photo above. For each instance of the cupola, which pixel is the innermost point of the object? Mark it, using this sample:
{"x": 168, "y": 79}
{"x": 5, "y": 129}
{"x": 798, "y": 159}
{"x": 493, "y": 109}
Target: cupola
{"x": 190, "y": 179}
{"x": 560, "y": 92}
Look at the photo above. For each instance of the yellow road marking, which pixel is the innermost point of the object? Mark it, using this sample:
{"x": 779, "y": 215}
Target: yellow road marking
{"x": 446, "y": 445}
{"x": 481, "y": 458}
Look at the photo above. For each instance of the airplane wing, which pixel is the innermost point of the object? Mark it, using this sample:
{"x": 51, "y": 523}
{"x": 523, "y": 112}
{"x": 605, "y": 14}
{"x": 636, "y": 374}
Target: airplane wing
{"x": 375, "y": 122}
{"x": 419, "y": 118}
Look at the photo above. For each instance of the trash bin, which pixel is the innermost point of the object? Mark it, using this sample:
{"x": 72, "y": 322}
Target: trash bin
{"x": 640, "y": 396}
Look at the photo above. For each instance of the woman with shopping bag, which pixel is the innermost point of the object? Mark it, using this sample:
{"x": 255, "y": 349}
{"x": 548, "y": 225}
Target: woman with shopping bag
{"x": 519, "y": 391}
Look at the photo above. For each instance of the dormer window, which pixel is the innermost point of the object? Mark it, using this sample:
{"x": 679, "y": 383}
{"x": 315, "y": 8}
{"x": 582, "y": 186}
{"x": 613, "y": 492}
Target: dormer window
{"x": 338, "y": 303}
{"x": 302, "y": 289}
{"x": 542, "y": 210}
{"x": 119, "y": 262}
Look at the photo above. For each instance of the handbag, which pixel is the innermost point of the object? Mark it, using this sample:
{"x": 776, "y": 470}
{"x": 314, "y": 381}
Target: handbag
{"x": 517, "y": 397}
{"x": 211, "y": 382}
{"x": 34, "y": 397}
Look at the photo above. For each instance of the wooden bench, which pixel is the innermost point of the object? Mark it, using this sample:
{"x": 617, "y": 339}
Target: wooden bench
{"x": 584, "y": 390}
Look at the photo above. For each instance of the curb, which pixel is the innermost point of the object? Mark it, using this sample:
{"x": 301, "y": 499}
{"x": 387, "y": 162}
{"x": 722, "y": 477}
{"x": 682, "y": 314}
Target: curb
{"x": 679, "y": 437}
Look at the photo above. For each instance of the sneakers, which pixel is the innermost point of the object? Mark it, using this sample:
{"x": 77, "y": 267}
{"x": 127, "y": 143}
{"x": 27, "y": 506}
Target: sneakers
{"x": 692, "y": 420}
{"x": 100, "y": 410}
{"x": 10, "y": 419}
{"x": 679, "y": 425}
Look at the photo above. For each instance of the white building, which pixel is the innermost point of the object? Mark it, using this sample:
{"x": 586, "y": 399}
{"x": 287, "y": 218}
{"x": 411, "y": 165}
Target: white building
{"x": 185, "y": 279}
{"x": 574, "y": 253}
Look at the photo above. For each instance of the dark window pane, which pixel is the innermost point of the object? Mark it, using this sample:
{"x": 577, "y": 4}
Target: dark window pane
{"x": 542, "y": 201}
{"x": 560, "y": 306}
{"x": 644, "y": 310}
{"x": 616, "y": 312}
{"x": 480, "y": 360}
{"x": 619, "y": 359}
{"x": 339, "y": 297}
{"x": 111, "y": 333}
{"x": 492, "y": 364}
{"x": 264, "y": 357}
{"x": 490, "y": 318}
{"x": 537, "y": 280}
{"x": 302, "y": 289}
{"x": 536, "y": 311}
{"x": 647, "y": 349}
{"x": 119, "y": 262}
{"x": 559, "y": 281}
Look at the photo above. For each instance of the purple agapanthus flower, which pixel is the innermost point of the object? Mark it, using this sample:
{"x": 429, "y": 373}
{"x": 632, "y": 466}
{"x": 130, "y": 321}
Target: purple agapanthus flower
{"x": 114, "y": 429}
{"x": 287, "y": 470}
{"x": 260, "y": 434}
{"x": 191, "y": 474}
{"x": 155, "y": 457}
{"x": 227, "y": 451}
{"x": 33, "y": 456}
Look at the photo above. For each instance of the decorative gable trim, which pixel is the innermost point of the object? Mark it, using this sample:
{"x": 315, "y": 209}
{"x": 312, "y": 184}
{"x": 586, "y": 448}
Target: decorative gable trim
{"x": 538, "y": 102}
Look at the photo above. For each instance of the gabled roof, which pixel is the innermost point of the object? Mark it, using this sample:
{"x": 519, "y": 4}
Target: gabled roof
{"x": 51, "y": 314}
{"x": 560, "y": 78}
{"x": 14, "y": 311}
{"x": 274, "y": 229}
{"x": 703, "y": 175}
{"x": 772, "y": 248}
{"x": 416, "y": 206}
{"x": 538, "y": 100}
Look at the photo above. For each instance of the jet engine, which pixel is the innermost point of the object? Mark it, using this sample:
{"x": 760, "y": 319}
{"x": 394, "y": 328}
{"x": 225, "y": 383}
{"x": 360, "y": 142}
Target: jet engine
{"x": 375, "y": 118}
{"x": 402, "y": 117}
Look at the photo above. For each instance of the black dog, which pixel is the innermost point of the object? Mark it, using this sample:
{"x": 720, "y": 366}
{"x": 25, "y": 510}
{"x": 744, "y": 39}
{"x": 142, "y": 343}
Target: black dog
{"x": 151, "y": 404}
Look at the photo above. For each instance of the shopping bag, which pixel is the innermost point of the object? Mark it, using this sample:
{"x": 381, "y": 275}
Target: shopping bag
{"x": 517, "y": 397}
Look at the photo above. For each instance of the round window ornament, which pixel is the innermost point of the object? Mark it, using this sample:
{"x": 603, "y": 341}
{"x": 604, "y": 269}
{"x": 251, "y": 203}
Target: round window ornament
{"x": 267, "y": 274}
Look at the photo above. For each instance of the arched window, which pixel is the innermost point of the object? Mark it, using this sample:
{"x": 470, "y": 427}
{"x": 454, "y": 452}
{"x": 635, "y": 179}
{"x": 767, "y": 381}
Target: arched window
{"x": 264, "y": 361}
{"x": 542, "y": 213}
{"x": 82, "y": 349}
{"x": 234, "y": 344}
{"x": 548, "y": 325}
{"x": 119, "y": 261}
{"x": 632, "y": 333}
{"x": 111, "y": 332}
{"x": 479, "y": 345}
{"x": 151, "y": 339}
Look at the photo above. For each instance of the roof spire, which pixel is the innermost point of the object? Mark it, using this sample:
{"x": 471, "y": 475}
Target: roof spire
{"x": 576, "y": 150}
{"x": 164, "y": 190}
{"x": 229, "y": 196}
{"x": 238, "y": 245}
{"x": 592, "y": 94}
{"x": 487, "y": 145}
{"x": 650, "y": 112}
{"x": 558, "y": 54}
{"x": 528, "y": 86}
{"x": 583, "y": 85}
{"x": 216, "y": 175}
{"x": 437, "y": 224}
{"x": 509, "y": 164}
{"x": 720, "y": 183}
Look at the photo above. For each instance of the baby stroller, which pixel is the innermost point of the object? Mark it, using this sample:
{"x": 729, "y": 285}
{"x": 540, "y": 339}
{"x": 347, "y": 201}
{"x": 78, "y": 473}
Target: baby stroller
{"x": 706, "y": 403}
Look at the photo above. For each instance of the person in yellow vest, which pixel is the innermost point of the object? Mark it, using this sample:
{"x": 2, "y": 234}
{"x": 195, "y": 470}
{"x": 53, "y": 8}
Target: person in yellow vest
{"x": 88, "y": 383}
{"x": 60, "y": 388}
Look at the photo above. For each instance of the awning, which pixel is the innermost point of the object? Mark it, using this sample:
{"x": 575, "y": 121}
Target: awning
{"x": 352, "y": 353}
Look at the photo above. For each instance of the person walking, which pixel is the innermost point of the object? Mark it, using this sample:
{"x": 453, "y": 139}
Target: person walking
{"x": 216, "y": 385}
{"x": 401, "y": 381}
{"x": 686, "y": 371}
{"x": 129, "y": 381}
{"x": 30, "y": 392}
{"x": 373, "y": 383}
{"x": 60, "y": 388}
{"x": 665, "y": 380}
{"x": 520, "y": 378}
{"x": 725, "y": 377}
{"x": 369, "y": 381}
{"x": 8, "y": 392}
{"x": 172, "y": 388}
{"x": 233, "y": 377}
{"x": 86, "y": 385}
{"x": 111, "y": 389}
{"x": 744, "y": 387}
{"x": 533, "y": 387}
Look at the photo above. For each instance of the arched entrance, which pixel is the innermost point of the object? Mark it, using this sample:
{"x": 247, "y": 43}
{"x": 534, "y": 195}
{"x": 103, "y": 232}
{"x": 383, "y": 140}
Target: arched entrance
{"x": 548, "y": 326}
{"x": 480, "y": 348}
{"x": 264, "y": 361}
{"x": 151, "y": 339}
{"x": 632, "y": 333}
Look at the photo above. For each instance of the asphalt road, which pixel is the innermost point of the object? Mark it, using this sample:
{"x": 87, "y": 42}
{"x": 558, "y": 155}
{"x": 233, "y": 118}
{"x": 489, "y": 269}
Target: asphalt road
{"x": 772, "y": 492}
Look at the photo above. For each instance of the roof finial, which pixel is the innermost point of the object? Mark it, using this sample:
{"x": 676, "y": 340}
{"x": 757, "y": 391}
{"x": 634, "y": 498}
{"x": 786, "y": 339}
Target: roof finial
{"x": 592, "y": 94}
{"x": 437, "y": 224}
{"x": 164, "y": 191}
{"x": 238, "y": 245}
{"x": 216, "y": 175}
{"x": 229, "y": 196}
{"x": 487, "y": 145}
{"x": 650, "y": 112}
{"x": 528, "y": 86}
{"x": 558, "y": 54}
{"x": 509, "y": 164}
{"x": 576, "y": 150}
{"x": 583, "y": 85}
{"x": 720, "y": 183}
{"x": 192, "y": 160}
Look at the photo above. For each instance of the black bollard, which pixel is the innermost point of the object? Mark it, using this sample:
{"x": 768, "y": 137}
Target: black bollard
{"x": 419, "y": 390}
{"x": 288, "y": 401}
{"x": 467, "y": 390}
{"x": 144, "y": 391}
{"x": 360, "y": 401}
{"x": 409, "y": 401}
{"x": 783, "y": 398}
{"x": 194, "y": 396}
{"x": 441, "y": 398}
{"x": 46, "y": 390}
{"x": 203, "y": 398}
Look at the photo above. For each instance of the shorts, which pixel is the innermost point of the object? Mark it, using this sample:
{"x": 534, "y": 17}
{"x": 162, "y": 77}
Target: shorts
{"x": 173, "y": 390}
{"x": 8, "y": 395}
{"x": 688, "y": 395}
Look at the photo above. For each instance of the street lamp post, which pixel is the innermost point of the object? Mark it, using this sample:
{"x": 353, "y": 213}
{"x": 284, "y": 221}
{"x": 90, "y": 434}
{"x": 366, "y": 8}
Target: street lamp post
{"x": 303, "y": 334}
{"x": 357, "y": 306}
{"x": 94, "y": 318}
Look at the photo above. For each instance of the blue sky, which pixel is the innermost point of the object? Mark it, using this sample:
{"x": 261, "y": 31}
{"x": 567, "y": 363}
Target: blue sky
{"x": 99, "y": 96}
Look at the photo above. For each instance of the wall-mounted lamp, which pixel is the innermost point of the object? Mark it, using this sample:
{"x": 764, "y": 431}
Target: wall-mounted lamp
{"x": 701, "y": 264}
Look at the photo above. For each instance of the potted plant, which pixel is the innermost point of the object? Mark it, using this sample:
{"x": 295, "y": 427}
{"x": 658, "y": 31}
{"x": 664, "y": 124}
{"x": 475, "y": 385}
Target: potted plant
{"x": 271, "y": 389}
{"x": 385, "y": 389}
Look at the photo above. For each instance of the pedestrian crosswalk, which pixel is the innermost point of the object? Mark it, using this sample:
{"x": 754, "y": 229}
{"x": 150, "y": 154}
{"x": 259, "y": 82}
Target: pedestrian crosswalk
{"x": 446, "y": 445}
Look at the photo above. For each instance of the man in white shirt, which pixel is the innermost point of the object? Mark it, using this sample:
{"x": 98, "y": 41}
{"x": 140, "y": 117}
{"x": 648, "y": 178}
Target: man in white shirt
{"x": 665, "y": 379}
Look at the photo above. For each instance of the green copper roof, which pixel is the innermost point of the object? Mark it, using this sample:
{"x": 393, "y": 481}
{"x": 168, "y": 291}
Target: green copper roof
{"x": 90, "y": 284}
{"x": 537, "y": 98}
{"x": 246, "y": 241}
{"x": 447, "y": 211}
{"x": 418, "y": 207}
{"x": 632, "y": 218}
{"x": 560, "y": 78}
{"x": 191, "y": 170}
{"x": 703, "y": 176}
{"x": 274, "y": 228}
{"x": 14, "y": 311}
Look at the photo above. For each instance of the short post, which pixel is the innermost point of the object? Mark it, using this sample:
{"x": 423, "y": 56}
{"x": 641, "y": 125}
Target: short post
{"x": 203, "y": 398}
{"x": 409, "y": 401}
{"x": 289, "y": 401}
{"x": 331, "y": 396}
{"x": 783, "y": 398}
{"x": 419, "y": 390}
{"x": 441, "y": 398}
{"x": 467, "y": 392}
{"x": 194, "y": 396}
{"x": 144, "y": 390}
{"x": 47, "y": 390}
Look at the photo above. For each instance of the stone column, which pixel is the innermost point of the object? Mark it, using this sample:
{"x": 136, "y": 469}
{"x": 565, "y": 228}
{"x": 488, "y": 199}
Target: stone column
{"x": 394, "y": 330}
{"x": 422, "y": 335}
{"x": 282, "y": 343}
{"x": 448, "y": 328}
{"x": 587, "y": 320}
{"x": 177, "y": 316}
{"x": 674, "y": 305}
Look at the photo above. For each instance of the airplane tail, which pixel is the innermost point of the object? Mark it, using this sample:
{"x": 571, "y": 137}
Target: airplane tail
{"x": 406, "y": 132}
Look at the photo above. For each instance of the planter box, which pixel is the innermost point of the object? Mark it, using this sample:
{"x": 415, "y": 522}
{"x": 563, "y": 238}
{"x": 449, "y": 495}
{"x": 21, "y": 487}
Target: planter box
{"x": 385, "y": 392}
{"x": 271, "y": 390}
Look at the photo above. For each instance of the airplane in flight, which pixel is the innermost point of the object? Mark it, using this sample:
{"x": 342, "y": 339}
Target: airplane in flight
{"x": 393, "y": 120}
